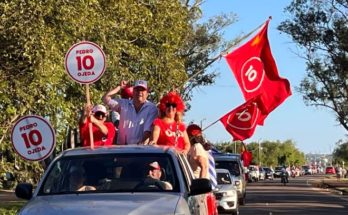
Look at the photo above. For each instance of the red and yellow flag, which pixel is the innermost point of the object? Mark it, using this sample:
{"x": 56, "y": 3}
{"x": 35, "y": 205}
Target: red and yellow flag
{"x": 257, "y": 74}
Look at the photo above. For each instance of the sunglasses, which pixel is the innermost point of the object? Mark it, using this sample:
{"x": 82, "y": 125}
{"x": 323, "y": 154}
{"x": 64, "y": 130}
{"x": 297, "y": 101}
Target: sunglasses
{"x": 98, "y": 114}
{"x": 171, "y": 105}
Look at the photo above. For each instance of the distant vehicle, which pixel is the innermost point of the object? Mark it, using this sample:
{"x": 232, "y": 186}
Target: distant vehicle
{"x": 232, "y": 163}
{"x": 262, "y": 173}
{"x": 330, "y": 170}
{"x": 253, "y": 173}
{"x": 226, "y": 193}
{"x": 118, "y": 183}
{"x": 306, "y": 170}
{"x": 268, "y": 173}
{"x": 277, "y": 171}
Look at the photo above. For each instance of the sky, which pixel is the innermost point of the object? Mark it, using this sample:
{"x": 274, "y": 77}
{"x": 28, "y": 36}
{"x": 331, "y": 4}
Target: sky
{"x": 313, "y": 130}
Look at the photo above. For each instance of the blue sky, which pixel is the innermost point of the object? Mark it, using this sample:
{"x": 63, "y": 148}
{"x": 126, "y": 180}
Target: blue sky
{"x": 314, "y": 130}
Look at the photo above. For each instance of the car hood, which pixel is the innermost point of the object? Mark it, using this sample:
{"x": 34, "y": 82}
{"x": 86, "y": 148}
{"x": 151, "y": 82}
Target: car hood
{"x": 105, "y": 204}
{"x": 225, "y": 187}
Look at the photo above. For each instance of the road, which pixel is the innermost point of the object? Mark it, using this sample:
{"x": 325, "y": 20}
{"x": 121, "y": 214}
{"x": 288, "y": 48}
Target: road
{"x": 297, "y": 197}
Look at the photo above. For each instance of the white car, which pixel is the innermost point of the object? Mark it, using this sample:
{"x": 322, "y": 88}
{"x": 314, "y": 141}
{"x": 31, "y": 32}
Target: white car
{"x": 226, "y": 193}
{"x": 115, "y": 181}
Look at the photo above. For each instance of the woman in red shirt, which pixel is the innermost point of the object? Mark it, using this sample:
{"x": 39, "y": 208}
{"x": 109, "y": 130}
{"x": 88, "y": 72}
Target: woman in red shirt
{"x": 169, "y": 130}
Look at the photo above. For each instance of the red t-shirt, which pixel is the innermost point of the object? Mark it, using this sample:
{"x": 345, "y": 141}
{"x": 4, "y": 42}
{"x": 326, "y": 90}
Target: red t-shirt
{"x": 167, "y": 133}
{"x": 99, "y": 138}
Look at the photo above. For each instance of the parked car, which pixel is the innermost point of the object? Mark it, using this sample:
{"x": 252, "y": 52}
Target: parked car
{"x": 114, "y": 180}
{"x": 330, "y": 170}
{"x": 306, "y": 170}
{"x": 226, "y": 193}
{"x": 253, "y": 173}
{"x": 277, "y": 171}
{"x": 268, "y": 173}
{"x": 262, "y": 173}
{"x": 232, "y": 163}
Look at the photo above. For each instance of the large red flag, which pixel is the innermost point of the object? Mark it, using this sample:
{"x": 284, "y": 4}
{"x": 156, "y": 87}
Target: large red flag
{"x": 242, "y": 121}
{"x": 257, "y": 74}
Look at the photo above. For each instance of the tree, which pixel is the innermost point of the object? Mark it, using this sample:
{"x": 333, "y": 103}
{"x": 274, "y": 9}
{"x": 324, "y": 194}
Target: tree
{"x": 341, "y": 153}
{"x": 159, "y": 41}
{"x": 320, "y": 28}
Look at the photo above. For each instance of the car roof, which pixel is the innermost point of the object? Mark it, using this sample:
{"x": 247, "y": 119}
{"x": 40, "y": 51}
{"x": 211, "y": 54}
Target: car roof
{"x": 222, "y": 171}
{"x": 226, "y": 156}
{"x": 117, "y": 149}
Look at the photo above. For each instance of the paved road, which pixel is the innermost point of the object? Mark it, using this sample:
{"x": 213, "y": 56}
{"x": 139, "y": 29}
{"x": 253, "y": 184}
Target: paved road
{"x": 298, "y": 197}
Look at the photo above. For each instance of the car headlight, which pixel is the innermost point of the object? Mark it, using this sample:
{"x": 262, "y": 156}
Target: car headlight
{"x": 237, "y": 183}
{"x": 228, "y": 193}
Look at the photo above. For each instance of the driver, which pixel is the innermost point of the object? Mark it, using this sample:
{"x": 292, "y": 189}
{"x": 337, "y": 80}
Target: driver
{"x": 153, "y": 179}
{"x": 77, "y": 179}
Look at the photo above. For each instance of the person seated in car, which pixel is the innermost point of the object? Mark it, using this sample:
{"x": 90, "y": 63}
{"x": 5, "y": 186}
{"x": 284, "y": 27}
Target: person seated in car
{"x": 77, "y": 180}
{"x": 153, "y": 178}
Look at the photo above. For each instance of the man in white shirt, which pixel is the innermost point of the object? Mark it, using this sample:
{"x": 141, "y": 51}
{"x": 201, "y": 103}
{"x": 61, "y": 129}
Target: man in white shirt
{"x": 136, "y": 114}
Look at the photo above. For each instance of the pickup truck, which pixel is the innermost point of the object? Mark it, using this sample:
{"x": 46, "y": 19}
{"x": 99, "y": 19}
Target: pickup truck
{"x": 115, "y": 180}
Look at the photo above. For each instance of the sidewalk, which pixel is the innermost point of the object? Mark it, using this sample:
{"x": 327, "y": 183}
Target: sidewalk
{"x": 8, "y": 195}
{"x": 340, "y": 187}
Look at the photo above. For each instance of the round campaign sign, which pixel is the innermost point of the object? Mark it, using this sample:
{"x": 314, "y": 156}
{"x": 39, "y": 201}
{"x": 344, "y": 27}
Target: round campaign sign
{"x": 85, "y": 62}
{"x": 33, "y": 138}
{"x": 252, "y": 74}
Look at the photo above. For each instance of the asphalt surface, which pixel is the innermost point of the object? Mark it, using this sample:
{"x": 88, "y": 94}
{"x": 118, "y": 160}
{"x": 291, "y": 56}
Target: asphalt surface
{"x": 297, "y": 197}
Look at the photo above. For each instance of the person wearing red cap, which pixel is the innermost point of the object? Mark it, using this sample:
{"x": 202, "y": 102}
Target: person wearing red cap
{"x": 136, "y": 114}
{"x": 168, "y": 129}
{"x": 153, "y": 178}
{"x": 103, "y": 132}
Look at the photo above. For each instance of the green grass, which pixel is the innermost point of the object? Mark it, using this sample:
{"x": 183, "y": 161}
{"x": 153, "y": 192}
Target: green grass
{"x": 10, "y": 208}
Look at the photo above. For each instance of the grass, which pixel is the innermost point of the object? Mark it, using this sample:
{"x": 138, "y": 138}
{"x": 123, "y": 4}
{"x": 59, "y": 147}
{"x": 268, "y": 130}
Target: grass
{"x": 10, "y": 207}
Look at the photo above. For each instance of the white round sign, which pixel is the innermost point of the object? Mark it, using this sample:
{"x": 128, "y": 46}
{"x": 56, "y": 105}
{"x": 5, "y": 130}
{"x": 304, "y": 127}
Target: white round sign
{"x": 85, "y": 62}
{"x": 33, "y": 138}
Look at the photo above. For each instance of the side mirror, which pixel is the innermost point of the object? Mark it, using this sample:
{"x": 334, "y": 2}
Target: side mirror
{"x": 24, "y": 191}
{"x": 200, "y": 186}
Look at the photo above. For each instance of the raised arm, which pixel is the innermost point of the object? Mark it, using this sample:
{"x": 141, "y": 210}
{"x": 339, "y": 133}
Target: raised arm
{"x": 107, "y": 96}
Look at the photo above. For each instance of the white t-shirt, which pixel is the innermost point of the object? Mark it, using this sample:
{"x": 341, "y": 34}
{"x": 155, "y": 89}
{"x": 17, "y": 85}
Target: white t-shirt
{"x": 132, "y": 125}
{"x": 197, "y": 150}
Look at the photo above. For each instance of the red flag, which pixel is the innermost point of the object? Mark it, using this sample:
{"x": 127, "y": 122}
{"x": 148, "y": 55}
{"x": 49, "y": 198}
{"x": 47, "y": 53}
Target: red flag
{"x": 241, "y": 122}
{"x": 256, "y": 72}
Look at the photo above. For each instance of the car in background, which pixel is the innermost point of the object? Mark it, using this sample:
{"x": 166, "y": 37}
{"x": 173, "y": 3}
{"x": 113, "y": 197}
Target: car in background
{"x": 268, "y": 173}
{"x": 306, "y": 170}
{"x": 116, "y": 180}
{"x": 262, "y": 173}
{"x": 233, "y": 164}
{"x": 277, "y": 171}
{"x": 253, "y": 173}
{"x": 330, "y": 170}
{"x": 226, "y": 192}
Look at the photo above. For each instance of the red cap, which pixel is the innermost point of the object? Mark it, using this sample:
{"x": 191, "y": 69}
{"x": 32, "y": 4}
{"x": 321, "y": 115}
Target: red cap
{"x": 194, "y": 130}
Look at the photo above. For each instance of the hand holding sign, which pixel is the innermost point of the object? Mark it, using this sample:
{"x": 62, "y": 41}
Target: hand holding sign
{"x": 33, "y": 138}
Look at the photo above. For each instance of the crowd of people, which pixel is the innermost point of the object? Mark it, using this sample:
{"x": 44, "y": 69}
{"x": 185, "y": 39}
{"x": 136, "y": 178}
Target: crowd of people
{"x": 142, "y": 122}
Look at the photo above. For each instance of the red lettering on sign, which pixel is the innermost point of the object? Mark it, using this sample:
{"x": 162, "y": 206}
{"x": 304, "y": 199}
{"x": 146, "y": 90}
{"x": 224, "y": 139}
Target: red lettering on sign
{"x": 84, "y": 51}
{"x": 89, "y": 73}
{"x": 36, "y": 150}
{"x": 26, "y": 127}
{"x": 35, "y": 138}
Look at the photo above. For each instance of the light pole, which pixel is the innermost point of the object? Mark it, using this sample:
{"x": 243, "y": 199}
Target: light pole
{"x": 201, "y": 122}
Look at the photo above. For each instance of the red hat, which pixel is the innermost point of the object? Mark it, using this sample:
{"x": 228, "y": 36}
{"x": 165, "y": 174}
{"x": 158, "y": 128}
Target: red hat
{"x": 172, "y": 97}
{"x": 155, "y": 165}
{"x": 194, "y": 130}
{"x": 127, "y": 92}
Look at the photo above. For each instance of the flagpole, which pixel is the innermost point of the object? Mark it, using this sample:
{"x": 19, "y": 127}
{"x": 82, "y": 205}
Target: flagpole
{"x": 210, "y": 124}
{"x": 226, "y": 50}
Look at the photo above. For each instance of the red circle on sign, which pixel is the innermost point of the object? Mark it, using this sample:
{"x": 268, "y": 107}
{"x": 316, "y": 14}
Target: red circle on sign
{"x": 30, "y": 134}
{"x": 252, "y": 74}
{"x": 85, "y": 62}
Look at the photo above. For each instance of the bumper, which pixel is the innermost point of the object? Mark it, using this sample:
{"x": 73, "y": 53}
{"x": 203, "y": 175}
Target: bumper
{"x": 227, "y": 203}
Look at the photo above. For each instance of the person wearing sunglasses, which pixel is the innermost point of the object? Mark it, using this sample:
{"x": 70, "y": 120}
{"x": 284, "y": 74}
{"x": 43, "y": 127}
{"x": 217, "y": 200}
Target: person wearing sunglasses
{"x": 103, "y": 131}
{"x": 169, "y": 129}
